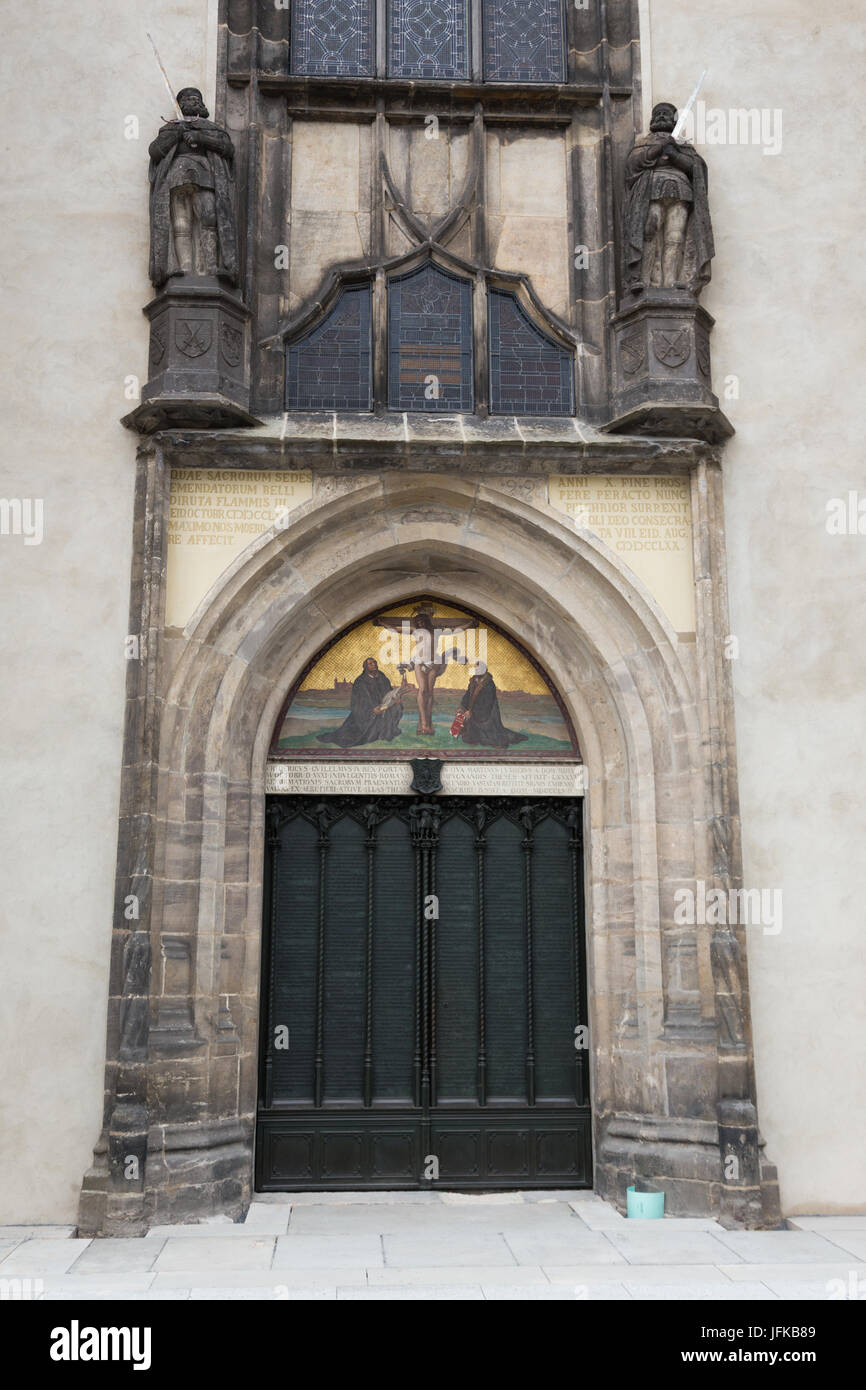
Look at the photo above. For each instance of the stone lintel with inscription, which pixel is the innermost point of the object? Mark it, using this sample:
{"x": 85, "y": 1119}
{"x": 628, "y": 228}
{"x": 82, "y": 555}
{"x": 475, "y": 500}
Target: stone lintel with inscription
{"x": 395, "y": 779}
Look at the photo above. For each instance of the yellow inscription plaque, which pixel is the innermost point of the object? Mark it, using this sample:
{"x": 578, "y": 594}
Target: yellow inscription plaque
{"x": 214, "y": 514}
{"x": 647, "y": 521}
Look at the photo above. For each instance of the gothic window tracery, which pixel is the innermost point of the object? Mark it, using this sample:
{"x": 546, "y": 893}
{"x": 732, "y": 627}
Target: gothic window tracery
{"x": 430, "y": 352}
{"x": 332, "y": 38}
{"x": 428, "y": 38}
{"x": 430, "y": 342}
{"x": 523, "y": 41}
{"x": 530, "y": 374}
{"x": 329, "y": 368}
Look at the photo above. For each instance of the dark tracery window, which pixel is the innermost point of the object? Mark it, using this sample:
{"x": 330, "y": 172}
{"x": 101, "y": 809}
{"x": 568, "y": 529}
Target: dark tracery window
{"x": 430, "y": 342}
{"x": 529, "y": 373}
{"x": 523, "y": 41}
{"x": 428, "y": 39}
{"x": 430, "y": 352}
{"x": 332, "y": 38}
{"x": 330, "y": 368}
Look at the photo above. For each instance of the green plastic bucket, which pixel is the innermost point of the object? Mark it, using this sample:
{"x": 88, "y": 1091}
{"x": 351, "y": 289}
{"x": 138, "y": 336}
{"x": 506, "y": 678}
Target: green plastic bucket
{"x": 645, "y": 1206}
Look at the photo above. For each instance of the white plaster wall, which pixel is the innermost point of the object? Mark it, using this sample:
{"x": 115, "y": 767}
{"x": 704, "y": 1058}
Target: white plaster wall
{"x": 74, "y": 219}
{"x": 787, "y": 294}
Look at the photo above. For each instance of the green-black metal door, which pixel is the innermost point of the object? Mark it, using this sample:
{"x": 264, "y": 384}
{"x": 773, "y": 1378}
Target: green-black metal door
{"x": 424, "y": 992}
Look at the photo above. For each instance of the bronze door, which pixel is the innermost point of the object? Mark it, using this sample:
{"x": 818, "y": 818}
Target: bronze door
{"x": 424, "y": 995}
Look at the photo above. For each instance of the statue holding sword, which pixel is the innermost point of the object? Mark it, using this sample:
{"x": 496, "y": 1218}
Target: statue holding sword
{"x": 192, "y": 216}
{"x": 667, "y": 236}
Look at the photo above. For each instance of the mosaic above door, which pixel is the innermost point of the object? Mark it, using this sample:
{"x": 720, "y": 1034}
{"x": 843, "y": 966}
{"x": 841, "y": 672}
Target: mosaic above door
{"x": 422, "y": 678}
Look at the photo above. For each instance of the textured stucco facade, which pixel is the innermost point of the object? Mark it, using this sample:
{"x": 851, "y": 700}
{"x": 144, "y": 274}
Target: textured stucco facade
{"x": 783, "y": 297}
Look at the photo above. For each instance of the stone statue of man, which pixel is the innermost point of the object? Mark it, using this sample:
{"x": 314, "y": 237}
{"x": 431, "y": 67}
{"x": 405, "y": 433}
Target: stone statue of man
{"x": 666, "y": 232}
{"x": 192, "y": 217}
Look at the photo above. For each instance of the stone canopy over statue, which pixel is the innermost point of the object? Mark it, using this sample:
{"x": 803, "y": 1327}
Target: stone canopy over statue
{"x": 667, "y": 237}
{"x": 192, "y": 216}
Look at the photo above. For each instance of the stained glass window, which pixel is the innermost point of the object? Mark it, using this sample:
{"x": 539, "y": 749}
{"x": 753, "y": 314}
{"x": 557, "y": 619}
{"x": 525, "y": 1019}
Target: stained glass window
{"x": 329, "y": 369}
{"x": 430, "y": 342}
{"x": 523, "y": 41}
{"x": 332, "y": 38}
{"x": 530, "y": 374}
{"x": 428, "y": 39}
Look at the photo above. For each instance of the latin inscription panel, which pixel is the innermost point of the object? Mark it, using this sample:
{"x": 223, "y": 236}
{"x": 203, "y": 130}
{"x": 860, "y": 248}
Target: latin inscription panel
{"x": 395, "y": 779}
{"x": 647, "y": 521}
{"x": 214, "y": 514}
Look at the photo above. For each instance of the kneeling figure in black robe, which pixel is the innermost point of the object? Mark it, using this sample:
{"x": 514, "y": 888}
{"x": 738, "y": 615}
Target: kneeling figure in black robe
{"x": 367, "y": 721}
{"x": 483, "y": 724}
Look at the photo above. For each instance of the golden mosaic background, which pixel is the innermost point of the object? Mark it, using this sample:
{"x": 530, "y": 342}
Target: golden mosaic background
{"x": 508, "y": 666}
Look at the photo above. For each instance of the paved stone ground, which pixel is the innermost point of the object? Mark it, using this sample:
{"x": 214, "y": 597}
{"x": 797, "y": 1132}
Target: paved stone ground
{"x": 426, "y": 1245}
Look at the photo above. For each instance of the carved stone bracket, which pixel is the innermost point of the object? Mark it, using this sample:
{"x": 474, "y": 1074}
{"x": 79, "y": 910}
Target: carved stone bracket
{"x": 198, "y": 359}
{"x": 661, "y": 369}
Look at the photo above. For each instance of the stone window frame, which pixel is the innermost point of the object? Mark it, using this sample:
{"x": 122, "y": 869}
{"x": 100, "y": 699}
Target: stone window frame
{"x": 478, "y": 26}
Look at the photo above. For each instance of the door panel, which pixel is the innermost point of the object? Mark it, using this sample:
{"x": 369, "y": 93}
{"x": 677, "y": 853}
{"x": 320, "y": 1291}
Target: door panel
{"x": 423, "y": 962}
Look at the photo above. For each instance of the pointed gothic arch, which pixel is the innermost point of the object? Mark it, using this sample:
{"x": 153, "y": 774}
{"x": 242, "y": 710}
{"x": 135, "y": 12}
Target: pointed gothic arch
{"x": 632, "y": 692}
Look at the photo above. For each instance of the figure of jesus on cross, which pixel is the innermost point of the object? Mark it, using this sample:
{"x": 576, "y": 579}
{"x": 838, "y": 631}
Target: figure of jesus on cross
{"x": 427, "y": 664}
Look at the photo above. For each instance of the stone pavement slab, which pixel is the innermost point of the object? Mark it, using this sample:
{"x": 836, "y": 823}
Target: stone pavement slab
{"x": 250, "y": 1252}
{"x": 645, "y": 1274}
{"x": 280, "y": 1282}
{"x": 119, "y": 1254}
{"x": 597, "y": 1216}
{"x": 641, "y": 1245}
{"x": 560, "y": 1293}
{"x": 699, "y": 1292}
{"x": 259, "y": 1294}
{"x": 74, "y": 1294}
{"x": 201, "y": 1230}
{"x": 565, "y": 1194}
{"x": 852, "y": 1241}
{"x": 475, "y": 1247}
{"x": 796, "y": 1271}
{"x": 342, "y": 1199}
{"x": 825, "y": 1224}
{"x": 815, "y": 1290}
{"x": 404, "y": 1220}
{"x": 780, "y": 1247}
{"x": 98, "y": 1285}
{"x": 431, "y": 1275}
{"x": 399, "y": 1292}
{"x": 327, "y": 1251}
{"x": 42, "y": 1256}
{"x": 560, "y": 1247}
{"x": 267, "y": 1220}
{"x": 477, "y": 1201}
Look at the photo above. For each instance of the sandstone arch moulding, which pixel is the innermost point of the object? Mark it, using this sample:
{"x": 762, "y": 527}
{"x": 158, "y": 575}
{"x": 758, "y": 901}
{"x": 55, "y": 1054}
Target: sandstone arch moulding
{"x": 672, "y": 1093}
